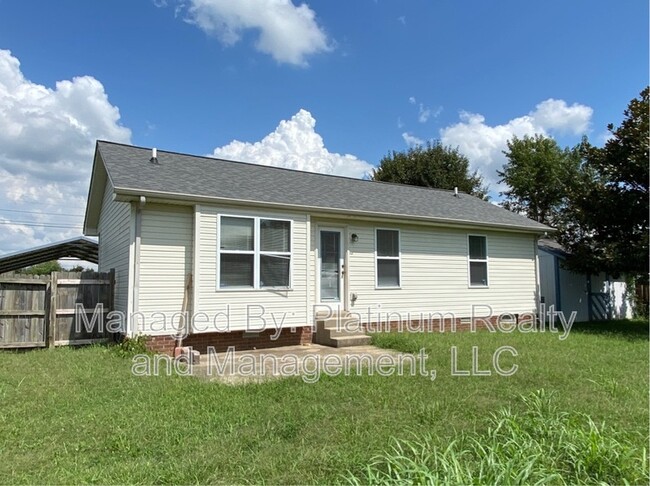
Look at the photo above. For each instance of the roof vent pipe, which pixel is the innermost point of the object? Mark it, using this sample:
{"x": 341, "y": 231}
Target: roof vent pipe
{"x": 154, "y": 156}
{"x": 456, "y": 191}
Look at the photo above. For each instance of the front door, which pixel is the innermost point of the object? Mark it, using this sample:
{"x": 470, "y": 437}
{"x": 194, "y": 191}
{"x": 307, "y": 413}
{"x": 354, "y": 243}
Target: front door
{"x": 331, "y": 265}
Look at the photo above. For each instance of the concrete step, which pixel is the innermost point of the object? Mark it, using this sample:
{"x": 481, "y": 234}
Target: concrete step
{"x": 340, "y": 323}
{"x": 340, "y": 332}
{"x": 346, "y": 341}
{"x": 336, "y": 333}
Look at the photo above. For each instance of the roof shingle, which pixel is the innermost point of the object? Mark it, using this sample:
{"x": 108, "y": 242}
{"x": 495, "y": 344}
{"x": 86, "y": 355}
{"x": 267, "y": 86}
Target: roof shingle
{"x": 130, "y": 169}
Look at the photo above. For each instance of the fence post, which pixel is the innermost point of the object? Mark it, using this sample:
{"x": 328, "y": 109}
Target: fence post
{"x": 51, "y": 332}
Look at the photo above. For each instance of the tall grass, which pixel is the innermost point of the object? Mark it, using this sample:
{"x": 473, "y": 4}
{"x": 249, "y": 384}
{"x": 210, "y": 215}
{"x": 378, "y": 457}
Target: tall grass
{"x": 541, "y": 445}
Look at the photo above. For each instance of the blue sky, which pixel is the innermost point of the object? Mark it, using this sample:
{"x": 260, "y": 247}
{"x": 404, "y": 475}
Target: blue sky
{"x": 325, "y": 79}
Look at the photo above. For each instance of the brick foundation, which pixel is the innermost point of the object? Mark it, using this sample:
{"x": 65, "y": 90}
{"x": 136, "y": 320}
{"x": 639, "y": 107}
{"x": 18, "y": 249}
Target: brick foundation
{"x": 436, "y": 325}
{"x": 241, "y": 340}
{"x": 161, "y": 344}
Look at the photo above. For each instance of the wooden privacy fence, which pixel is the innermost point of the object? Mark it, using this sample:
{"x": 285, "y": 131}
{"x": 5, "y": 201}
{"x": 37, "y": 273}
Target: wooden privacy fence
{"x": 54, "y": 310}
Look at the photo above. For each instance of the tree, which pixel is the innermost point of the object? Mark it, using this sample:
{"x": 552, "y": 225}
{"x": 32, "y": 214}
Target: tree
{"x": 539, "y": 175}
{"x": 597, "y": 198}
{"x": 78, "y": 268}
{"x": 606, "y": 226}
{"x": 44, "y": 268}
{"x": 433, "y": 165}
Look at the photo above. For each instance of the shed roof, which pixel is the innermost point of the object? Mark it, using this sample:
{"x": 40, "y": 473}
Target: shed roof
{"x": 551, "y": 246}
{"x": 190, "y": 177}
{"x": 79, "y": 247}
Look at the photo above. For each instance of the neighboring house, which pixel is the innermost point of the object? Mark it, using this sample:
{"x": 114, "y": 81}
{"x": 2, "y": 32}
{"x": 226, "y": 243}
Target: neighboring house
{"x": 592, "y": 297}
{"x": 248, "y": 249}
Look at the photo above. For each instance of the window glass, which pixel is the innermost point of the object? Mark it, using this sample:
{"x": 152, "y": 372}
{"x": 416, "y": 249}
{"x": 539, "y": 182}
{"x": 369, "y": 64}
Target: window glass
{"x": 275, "y": 235}
{"x": 237, "y": 234}
{"x": 274, "y": 271}
{"x": 478, "y": 273}
{"x": 251, "y": 261}
{"x": 388, "y": 243}
{"x": 477, "y": 248}
{"x": 388, "y": 273}
{"x": 236, "y": 270}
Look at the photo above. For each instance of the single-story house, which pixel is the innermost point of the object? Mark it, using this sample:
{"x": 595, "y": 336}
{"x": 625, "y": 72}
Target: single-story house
{"x": 257, "y": 255}
{"x": 593, "y": 297}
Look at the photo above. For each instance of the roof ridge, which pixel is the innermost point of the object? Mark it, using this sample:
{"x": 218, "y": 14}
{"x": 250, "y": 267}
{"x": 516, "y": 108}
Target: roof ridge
{"x": 241, "y": 162}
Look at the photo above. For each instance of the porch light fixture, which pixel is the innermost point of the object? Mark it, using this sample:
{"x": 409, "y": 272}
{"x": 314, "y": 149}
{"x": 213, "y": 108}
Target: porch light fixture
{"x": 354, "y": 237}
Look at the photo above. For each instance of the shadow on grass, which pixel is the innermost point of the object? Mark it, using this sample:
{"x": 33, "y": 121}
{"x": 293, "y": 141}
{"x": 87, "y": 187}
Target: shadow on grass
{"x": 636, "y": 329}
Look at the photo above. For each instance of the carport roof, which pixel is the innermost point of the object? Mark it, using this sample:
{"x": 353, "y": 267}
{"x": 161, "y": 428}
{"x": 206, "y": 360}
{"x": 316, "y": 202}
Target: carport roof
{"x": 80, "y": 247}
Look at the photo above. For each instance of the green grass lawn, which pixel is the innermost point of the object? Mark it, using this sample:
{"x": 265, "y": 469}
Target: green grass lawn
{"x": 79, "y": 415}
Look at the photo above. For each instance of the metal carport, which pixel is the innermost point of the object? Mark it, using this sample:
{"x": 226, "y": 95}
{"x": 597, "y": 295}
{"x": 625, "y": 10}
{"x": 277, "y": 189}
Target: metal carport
{"x": 80, "y": 247}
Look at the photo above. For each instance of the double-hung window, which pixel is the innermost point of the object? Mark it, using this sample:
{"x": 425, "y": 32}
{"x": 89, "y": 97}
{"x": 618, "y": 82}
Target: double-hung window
{"x": 387, "y": 259}
{"x": 477, "y": 260}
{"x": 254, "y": 253}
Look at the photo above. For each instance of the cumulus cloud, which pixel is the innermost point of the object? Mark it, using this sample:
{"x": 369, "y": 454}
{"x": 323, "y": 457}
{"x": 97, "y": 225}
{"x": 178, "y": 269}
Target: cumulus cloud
{"x": 483, "y": 144}
{"x": 47, "y": 137}
{"x": 287, "y": 32}
{"x": 294, "y": 144}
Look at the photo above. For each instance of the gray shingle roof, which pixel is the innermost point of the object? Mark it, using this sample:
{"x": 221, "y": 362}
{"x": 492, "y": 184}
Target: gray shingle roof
{"x": 131, "y": 171}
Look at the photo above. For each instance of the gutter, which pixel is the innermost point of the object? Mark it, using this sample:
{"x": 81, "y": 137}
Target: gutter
{"x": 130, "y": 195}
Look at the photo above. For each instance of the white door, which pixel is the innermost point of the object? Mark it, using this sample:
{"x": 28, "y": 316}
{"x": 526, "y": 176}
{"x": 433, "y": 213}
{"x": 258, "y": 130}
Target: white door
{"x": 331, "y": 266}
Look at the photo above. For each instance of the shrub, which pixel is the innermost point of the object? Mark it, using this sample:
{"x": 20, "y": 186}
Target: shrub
{"x": 129, "y": 347}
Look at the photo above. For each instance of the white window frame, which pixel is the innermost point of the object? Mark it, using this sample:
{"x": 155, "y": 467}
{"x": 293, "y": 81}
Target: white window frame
{"x": 485, "y": 260}
{"x": 256, "y": 252}
{"x": 398, "y": 258}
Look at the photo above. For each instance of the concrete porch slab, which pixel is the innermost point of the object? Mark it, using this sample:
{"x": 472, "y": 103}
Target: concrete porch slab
{"x": 309, "y": 361}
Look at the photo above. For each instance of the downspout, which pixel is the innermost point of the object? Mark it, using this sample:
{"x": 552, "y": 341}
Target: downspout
{"x": 537, "y": 287}
{"x": 558, "y": 290}
{"x": 309, "y": 313}
{"x": 136, "y": 264}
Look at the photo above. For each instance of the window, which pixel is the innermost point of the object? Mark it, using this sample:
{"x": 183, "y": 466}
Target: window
{"x": 478, "y": 261}
{"x": 387, "y": 258}
{"x": 254, "y": 253}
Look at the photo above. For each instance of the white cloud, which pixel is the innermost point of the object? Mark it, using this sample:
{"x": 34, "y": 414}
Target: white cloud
{"x": 402, "y": 19}
{"x": 287, "y": 32}
{"x": 484, "y": 144}
{"x": 423, "y": 113}
{"x": 47, "y": 138}
{"x": 412, "y": 140}
{"x": 295, "y": 145}
{"x": 557, "y": 116}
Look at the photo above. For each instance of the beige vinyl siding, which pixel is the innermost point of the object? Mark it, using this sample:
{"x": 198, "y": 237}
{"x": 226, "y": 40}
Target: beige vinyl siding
{"x": 114, "y": 245}
{"x": 223, "y": 310}
{"x": 434, "y": 272}
{"x": 166, "y": 246}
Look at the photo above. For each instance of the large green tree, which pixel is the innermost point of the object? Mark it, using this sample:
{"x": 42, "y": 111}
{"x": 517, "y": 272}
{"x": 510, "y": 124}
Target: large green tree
{"x": 606, "y": 226}
{"x": 539, "y": 175}
{"x": 597, "y": 197}
{"x": 433, "y": 165}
